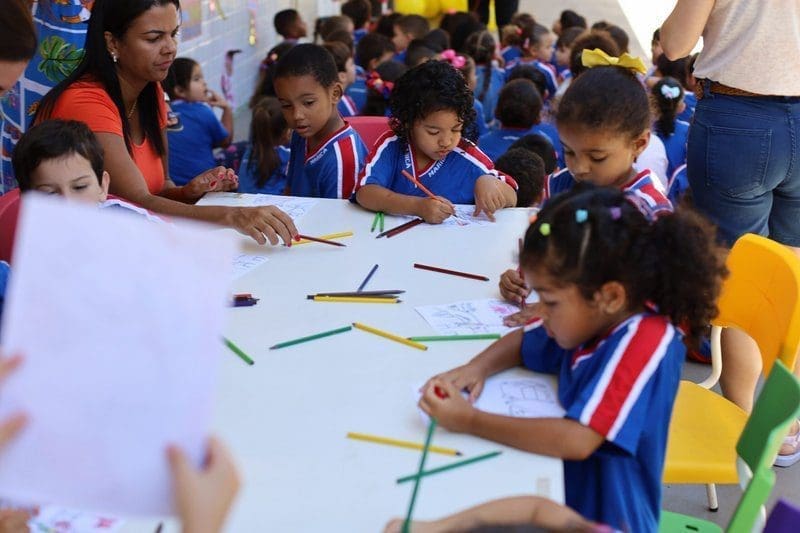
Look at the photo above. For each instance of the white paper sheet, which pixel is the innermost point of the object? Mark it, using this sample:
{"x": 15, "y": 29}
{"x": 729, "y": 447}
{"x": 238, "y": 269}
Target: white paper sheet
{"x": 63, "y": 520}
{"x": 119, "y": 320}
{"x": 462, "y": 219}
{"x": 468, "y": 317}
{"x": 294, "y": 206}
{"x": 244, "y": 263}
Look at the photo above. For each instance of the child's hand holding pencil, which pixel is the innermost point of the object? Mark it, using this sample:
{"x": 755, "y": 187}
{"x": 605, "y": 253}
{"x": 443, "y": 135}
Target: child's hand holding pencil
{"x": 442, "y": 401}
{"x": 435, "y": 210}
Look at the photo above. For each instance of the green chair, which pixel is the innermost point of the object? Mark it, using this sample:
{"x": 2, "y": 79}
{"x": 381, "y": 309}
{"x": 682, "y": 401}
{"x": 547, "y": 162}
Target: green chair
{"x": 777, "y": 406}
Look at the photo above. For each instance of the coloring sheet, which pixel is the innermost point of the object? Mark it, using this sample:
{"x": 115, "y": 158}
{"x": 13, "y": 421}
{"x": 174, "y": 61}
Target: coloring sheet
{"x": 244, "y": 263}
{"x": 119, "y": 320}
{"x": 468, "y": 317}
{"x": 462, "y": 219}
{"x": 293, "y": 206}
{"x": 53, "y": 519}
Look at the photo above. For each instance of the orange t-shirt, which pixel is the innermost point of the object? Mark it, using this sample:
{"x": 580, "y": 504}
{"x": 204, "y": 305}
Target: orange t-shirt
{"x": 87, "y": 101}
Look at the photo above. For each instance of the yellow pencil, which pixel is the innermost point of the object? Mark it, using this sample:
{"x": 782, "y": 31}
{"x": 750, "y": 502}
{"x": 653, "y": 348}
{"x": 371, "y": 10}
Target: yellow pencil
{"x": 390, "y": 336}
{"x": 328, "y": 237}
{"x": 356, "y": 300}
{"x": 401, "y": 443}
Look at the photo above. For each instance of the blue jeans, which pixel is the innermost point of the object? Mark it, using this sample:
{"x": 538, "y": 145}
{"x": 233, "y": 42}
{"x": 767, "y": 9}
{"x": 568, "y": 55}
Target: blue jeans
{"x": 743, "y": 165}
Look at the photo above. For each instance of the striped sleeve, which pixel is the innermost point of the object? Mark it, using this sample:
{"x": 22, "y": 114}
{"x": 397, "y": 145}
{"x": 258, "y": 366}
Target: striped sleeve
{"x": 347, "y": 167}
{"x": 379, "y": 166}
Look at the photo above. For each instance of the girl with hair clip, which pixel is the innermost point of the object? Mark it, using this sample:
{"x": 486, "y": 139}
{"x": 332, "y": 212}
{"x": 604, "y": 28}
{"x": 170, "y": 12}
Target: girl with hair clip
{"x": 264, "y": 163}
{"x": 431, "y": 106}
{"x": 380, "y": 84}
{"x": 667, "y": 95}
{"x": 618, "y": 309}
{"x": 489, "y": 77}
{"x": 466, "y": 66}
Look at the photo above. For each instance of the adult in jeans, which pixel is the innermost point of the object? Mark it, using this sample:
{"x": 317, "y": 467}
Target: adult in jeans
{"x": 743, "y": 158}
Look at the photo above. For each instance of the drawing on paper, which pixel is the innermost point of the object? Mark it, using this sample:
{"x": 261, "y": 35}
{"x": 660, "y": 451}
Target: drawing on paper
{"x": 244, "y": 263}
{"x": 468, "y": 317}
{"x": 526, "y": 398}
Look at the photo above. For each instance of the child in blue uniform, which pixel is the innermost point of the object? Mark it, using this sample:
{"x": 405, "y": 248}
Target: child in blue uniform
{"x": 431, "y": 105}
{"x": 518, "y": 109}
{"x": 668, "y": 98}
{"x": 613, "y": 288}
{"x": 489, "y": 77}
{"x": 326, "y": 152}
{"x": 263, "y": 168}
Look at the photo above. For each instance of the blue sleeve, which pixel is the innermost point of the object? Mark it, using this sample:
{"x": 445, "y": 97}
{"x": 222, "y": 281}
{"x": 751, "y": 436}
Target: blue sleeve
{"x": 5, "y": 270}
{"x": 380, "y": 168}
{"x": 540, "y": 353}
{"x": 215, "y": 128}
{"x": 328, "y": 175}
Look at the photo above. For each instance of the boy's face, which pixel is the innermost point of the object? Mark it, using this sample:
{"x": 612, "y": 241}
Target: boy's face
{"x": 308, "y": 107}
{"x": 72, "y": 177}
{"x": 299, "y": 28}
{"x": 400, "y": 39}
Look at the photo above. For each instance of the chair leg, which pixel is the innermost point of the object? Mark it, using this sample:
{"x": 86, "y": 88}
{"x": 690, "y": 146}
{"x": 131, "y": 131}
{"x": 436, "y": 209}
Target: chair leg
{"x": 711, "y": 492}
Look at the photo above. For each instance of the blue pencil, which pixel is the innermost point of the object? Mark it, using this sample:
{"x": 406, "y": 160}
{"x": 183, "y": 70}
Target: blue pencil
{"x": 366, "y": 280}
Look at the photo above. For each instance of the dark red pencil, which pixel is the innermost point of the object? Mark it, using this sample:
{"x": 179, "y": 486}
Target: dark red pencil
{"x": 451, "y": 272}
{"x": 404, "y": 228}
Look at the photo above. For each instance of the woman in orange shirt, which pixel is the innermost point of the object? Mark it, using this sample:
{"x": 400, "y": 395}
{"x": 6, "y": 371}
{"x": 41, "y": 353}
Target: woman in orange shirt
{"x": 130, "y": 45}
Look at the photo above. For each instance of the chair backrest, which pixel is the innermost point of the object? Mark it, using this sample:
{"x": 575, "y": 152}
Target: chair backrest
{"x": 369, "y": 128}
{"x": 775, "y": 409}
{"x": 9, "y": 211}
{"x": 762, "y": 297}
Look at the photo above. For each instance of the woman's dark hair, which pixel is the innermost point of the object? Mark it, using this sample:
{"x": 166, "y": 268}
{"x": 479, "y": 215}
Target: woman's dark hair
{"x": 372, "y": 46}
{"x": 180, "y": 75}
{"x": 667, "y": 96}
{"x": 480, "y": 45}
{"x": 589, "y": 41}
{"x": 606, "y": 98}
{"x": 115, "y": 17}
{"x": 530, "y": 73}
{"x": 17, "y": 33}
{"x": 266, "y": 75}
{"x": 570, "y": 19}
{"x": 527, "y": 169}
{"x": 541, "y": 146}
{"x": 673, "y": 263}
{"x": 267, "y": 128}
{"x": 378, "y": 100}
{"x": 55, "y": 139}
{"x": 518, "y": 104}
{"x": 308, "y": 60}
{"x": 427, "y": 88}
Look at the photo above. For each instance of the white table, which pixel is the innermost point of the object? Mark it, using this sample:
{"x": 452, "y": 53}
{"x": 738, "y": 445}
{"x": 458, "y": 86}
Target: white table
{"x": 286, "y": 417}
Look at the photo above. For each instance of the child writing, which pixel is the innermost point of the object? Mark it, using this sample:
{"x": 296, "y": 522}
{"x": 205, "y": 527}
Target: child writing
{"x": 604, "y": 124}
{"x": 326, "y": 152}
{"x": 668, "y": 102}
{"x": 431, "y": 105}
{"x": 191, "y": 147}
{"x": 613, "y": 284}
{"x": 263, "y": 168}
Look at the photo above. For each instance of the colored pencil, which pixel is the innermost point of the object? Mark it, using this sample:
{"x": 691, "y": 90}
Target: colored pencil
{"x": 451, "y": 272}
{"x": 366, "y": 280}
{"x": 375, "y": 221}
{"x": 449, "y": 467}
{"x": 359, "y": 295}
{"x": 318, "y": 239}
{"x": 238, "y": 351}
{"x": 476, "y": 337}
{"x": 401, "y": 443}
{"x": 420, "y": 470}
{"x": 401, "y": 230}
{"x": 310, "y": 337}
{"x": 519, "y": 269}
{"x": 416, "y": 182}
{"x": 390, "y": 293}
{"x": 402, "y": 227}
{"x": 356, "y": 300}
{"x": 383, "y": 219}
{"x": 327, "y": 237}
{"x": 245, "y": 302}
{"x": 390, "y": 336}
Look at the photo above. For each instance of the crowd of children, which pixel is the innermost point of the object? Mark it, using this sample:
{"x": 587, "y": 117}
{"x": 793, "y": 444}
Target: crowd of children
{"x": 560, "y": 119}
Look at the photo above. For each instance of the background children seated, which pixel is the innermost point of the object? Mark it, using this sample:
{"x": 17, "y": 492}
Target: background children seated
{"x": 527, "y": 169}
{"x": 489, "y": 77}
{"x": 541, "y": 146}
{"x": 668, "y": 102}
{"x": 360, "y": 12}
{"x": 406, "y": 29}
{"x": 191, "y": 147}
{"x": 346, "y": 69}
{"x": 379, "y": 87}
{"x": 263, "y": 168}
{"x": 518, "y": 108}
{"x": 290, "y": 25}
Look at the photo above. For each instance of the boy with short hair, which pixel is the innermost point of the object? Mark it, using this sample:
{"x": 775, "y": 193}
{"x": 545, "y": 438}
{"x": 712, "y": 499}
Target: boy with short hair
{"x": 406, "y": 29}
{"x": 290, "y": 25}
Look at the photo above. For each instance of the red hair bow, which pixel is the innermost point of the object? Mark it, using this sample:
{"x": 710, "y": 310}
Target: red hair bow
{"x": 384, "y": 88}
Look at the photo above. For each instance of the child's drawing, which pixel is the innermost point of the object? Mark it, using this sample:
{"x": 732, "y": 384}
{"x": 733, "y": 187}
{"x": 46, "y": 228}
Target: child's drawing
{"x": 468, "y": 317}
{"x": 244, "y": 263}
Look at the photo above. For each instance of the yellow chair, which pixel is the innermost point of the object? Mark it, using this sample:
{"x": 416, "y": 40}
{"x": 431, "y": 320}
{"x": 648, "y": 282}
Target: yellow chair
{"x": 761, "y": 297}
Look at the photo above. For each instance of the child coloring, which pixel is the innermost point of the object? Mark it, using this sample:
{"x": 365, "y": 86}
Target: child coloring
{"x": 326, "y": 152}
{"x": 614, "y": 287}
{"x": 431, "y": 105}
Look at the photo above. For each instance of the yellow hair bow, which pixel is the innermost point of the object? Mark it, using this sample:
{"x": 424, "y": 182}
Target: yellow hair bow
{"x": 596, "y": 57}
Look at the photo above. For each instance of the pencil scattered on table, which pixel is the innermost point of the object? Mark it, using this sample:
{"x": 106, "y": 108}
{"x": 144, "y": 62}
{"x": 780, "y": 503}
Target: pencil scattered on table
{"x": 238, "y": 351}
{"x": 377, "y": 221}
{"x": 382, "y": 220}
{"x": 418, "y": 478}
{"x": 318, "y": 239}
{"x": 399, "y": 229}
{"x": 390, "y": 336}
{"x": 244, "y": 300}
{"x": 401, "y": 443}
{"x": 388, "y": 293}
{"x": 451, "y": 272}
{"x": 328, "y": 237}
{"x": 451, "y": 466}
{"x": 366, "y": 280}
{"x": 310, "y": 337}
{"x": 475, "y": 337}
{"x": 357, "y": 299}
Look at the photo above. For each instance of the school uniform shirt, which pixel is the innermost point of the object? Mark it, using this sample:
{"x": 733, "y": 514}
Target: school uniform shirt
{"x": 545, "y": 68}
{"x": 622, "y": 386}
{"x": 497, "y": 78}
{"x": 510, "y": 54}
{"x": 480, "y": 125}
{"x": 452, "y": 177}
{"x": 690, "y": 100}
{"x": 645, "y": 186}
{"x": 357, "y": 35}
{"x": 191, "y": 150}
{"x": 678, "y": 185}
{"x": 331, "y": 170}
{"x": 675, "y": 146}
{"x": 496, "y": 142}
{"x": 358, "y": 89}
{"x": 347, "y": 106}
{"x": 248, "y": 175}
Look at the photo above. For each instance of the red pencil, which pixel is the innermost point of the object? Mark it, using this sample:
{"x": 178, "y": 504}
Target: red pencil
{"x": 404, "y": 227}
{"x": 418, "y": 184}
{"x": 317, "y": 239}
{"x": 451, "y": 272}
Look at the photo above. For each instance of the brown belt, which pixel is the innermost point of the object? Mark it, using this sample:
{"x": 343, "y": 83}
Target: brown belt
{"x": 718, "y": 88}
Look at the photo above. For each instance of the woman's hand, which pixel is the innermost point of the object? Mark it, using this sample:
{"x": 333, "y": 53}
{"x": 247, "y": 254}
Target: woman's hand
{"x": 443, "y": 401}
{"x": 263, "y": 224}
{"x": 213, "y": 180}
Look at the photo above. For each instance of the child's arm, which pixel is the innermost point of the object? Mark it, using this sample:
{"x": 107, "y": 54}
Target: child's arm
{"x": 557, "y": 437}
{"x": 215, "y": 100}
{"x": 527, "y": 510}
{"x": 378, "y": 198}
{"x": 492, "y": 194}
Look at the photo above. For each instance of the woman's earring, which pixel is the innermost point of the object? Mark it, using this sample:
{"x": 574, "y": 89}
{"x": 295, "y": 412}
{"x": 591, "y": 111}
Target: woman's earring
{"x": 114, "y": 57}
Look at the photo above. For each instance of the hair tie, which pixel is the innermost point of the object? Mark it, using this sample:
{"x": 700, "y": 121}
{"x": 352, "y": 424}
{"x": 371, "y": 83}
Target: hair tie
{"x": 454, "y": 59}
{"x": 670, "y": 93}
{"x": 544, "y": 229}
{"x": 581, "y": 216}
{"x": 384, "y": 88}
{"x": 596, "y": 57}
{"x": 518, "y": 31}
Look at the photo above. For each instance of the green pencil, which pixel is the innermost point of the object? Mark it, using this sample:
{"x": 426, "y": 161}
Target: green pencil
{"x": 475, "y": 337}
{"x": 375, "y": 221}
{"x": 382, "y": 220}
{"x": 448, "y": 467}
{"x": 418, "y": 476}
{"x": 238, "y": 351}
{"x": 310, "y": 337}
